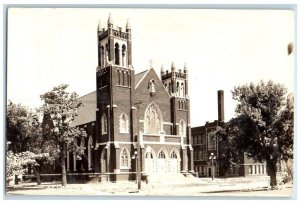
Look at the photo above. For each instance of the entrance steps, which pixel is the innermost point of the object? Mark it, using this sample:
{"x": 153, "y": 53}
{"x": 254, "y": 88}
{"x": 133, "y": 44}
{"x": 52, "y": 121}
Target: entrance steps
{"x": 171, "y": 178}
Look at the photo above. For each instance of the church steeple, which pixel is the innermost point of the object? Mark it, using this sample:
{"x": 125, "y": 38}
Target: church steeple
{"x": 128, "y": 26}
{"x": 162, "y": 70}
{"x": 109, "y": 21}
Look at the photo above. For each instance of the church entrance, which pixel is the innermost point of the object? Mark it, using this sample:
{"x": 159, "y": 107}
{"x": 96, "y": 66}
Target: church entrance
{"x": 174, "y": 167}
{"x": 149, "y": 163}
{"x": 161, "y": 162}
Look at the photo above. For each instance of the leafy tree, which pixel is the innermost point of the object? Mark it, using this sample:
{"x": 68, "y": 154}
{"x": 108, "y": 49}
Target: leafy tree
{"x": 20, "y": 122}
{"x": 25, "y": 143}
{"x": 16, "y": 163}
{"x": 228, "y": 151}
{"x": 59, "y": 110}
{"x": 264, "y": 123}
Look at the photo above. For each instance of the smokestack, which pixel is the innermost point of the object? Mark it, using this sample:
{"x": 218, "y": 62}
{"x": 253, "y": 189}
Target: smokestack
{"x": 221, "y": 106}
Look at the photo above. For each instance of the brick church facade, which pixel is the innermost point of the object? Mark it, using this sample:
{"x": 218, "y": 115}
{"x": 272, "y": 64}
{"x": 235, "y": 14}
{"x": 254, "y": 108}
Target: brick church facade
{"x": 129, "y": 114}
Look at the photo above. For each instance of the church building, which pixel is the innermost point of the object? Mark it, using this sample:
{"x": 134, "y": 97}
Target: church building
{"x": 132, "y": 118}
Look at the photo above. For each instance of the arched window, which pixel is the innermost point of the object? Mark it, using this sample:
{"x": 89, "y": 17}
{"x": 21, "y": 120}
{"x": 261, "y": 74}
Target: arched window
{"x": 123, "y": 123}
{"x": 119, "y": 77}
{"x": 182, "y": 90}
{"x": 161, "y": 155}
{"x": 106, "y": 54}
{"x": 123, "y": 55}
{"x": 90, "y": 146}
{"x": 123, "y": 78}
{"x": 182, "y": 129}
{"x": 124, "y": 158}
{"x": 173, "y": 155}
{"x": 103, "y": 124}
{"x": 177, "y": 86}
{"x": 153, "y": 120}
{"x": 102, "y": 57}
{"x": 117, "y": 54}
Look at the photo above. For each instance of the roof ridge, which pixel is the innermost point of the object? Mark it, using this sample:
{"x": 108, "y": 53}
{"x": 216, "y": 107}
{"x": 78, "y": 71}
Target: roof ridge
{"x": 86, "y": 94}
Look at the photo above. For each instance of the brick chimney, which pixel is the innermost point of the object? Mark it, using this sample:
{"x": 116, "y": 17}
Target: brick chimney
{"x": 221, "y": 106}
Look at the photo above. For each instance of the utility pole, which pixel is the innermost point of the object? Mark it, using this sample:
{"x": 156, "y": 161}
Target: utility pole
{"x": 139, "y": 178}
{"x": 212, "y": 157}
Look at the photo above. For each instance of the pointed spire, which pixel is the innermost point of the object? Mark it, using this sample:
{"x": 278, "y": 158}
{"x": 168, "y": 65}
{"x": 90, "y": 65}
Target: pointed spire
{"x": 128, "y": 26}
{"x": 109, "y": 21}
{"x": 172, "y": 66}
{"x": 99, "y": 26}
{"x": 185, "y": 67}
{"x": 162, "y": 70}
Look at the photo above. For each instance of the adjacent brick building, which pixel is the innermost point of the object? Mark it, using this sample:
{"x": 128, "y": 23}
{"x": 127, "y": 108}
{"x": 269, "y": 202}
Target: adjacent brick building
{"x": 204, "y": 145}
{"x": 130, "y": 112}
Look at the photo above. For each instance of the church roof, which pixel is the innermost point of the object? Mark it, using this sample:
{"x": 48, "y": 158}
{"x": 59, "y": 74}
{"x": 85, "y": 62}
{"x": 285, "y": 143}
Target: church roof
{"x": 139, "y": 77}
{"x": 87, "y": 112}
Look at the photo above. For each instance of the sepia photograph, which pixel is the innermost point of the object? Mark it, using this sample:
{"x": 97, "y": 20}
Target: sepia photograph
{"x": 147, "y": 102}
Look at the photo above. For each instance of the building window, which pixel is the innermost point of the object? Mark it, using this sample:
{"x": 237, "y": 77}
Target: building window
{"x": 103, "y": 124}
{"x": 119, "y": 77}
{"x": 124, "y": 55}
{"x": 250, "y": 169}
{"x": 117, "y": 54}
{"x": 170, "y": 88}
{"x": 263, "y": 169}
{"x": 211, "y": 142}
{"x": 182, "y": 90}
{"x": 201, "y": 155}
{"x": 203, "y": 139}
{"x": 125, "y": 160}
{"x": 173, "y": 155}
{"x": 195, "y": 139}
{"x": 153, "y": 120}
{"x": 182, "y": 129}
{"x": 195, "y": 155}
{"x": 123, "y": 123}
{"x": 161, "y": 155}
{"x": 204, "y": 155}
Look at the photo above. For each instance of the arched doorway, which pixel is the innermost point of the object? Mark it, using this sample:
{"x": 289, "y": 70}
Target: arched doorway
{"x": 174, "y": 162}
{"x": 161, "y": 162}
{"x": 149, "y": 161}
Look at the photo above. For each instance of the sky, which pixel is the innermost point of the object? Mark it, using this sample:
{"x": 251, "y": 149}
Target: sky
{"x": 222, "y": 49}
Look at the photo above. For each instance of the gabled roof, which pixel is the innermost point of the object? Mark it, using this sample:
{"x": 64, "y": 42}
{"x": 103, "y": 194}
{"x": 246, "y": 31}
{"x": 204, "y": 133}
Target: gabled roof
{"x": 139, "y": 77}
{"x": 86, "y": 112}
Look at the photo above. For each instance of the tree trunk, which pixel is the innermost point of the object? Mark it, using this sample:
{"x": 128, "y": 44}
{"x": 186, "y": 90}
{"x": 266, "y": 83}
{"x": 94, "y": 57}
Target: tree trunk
{"x": 16, "y": 180}
{"x": 38, "y": 175}
{"x": 63, "y": 166}
{"x": 271, "y": 164}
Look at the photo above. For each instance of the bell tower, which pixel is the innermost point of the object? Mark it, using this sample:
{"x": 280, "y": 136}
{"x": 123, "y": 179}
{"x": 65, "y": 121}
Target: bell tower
{"x": 114, "y": 45}
{"x": 176, "y": 84}
{"x": 115, "y": 91}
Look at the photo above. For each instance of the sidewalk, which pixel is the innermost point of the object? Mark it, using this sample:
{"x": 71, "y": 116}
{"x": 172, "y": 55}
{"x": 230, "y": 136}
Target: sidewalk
{"x": 185, "y": 187}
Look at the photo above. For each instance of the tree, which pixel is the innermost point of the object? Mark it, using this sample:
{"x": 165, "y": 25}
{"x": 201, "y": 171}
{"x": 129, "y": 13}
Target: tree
{"x": 16, "y": 163}
{"x": 25, "y": 143}
{"x": 228, "y": 151}
{"x": 60, "y": 109}
{"x": 264, "y": 123}
{"x": 20, "y": 121}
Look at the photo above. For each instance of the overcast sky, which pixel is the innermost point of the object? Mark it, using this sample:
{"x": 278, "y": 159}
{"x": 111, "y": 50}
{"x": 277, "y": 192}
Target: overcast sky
{"x": 222, "y": 49}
